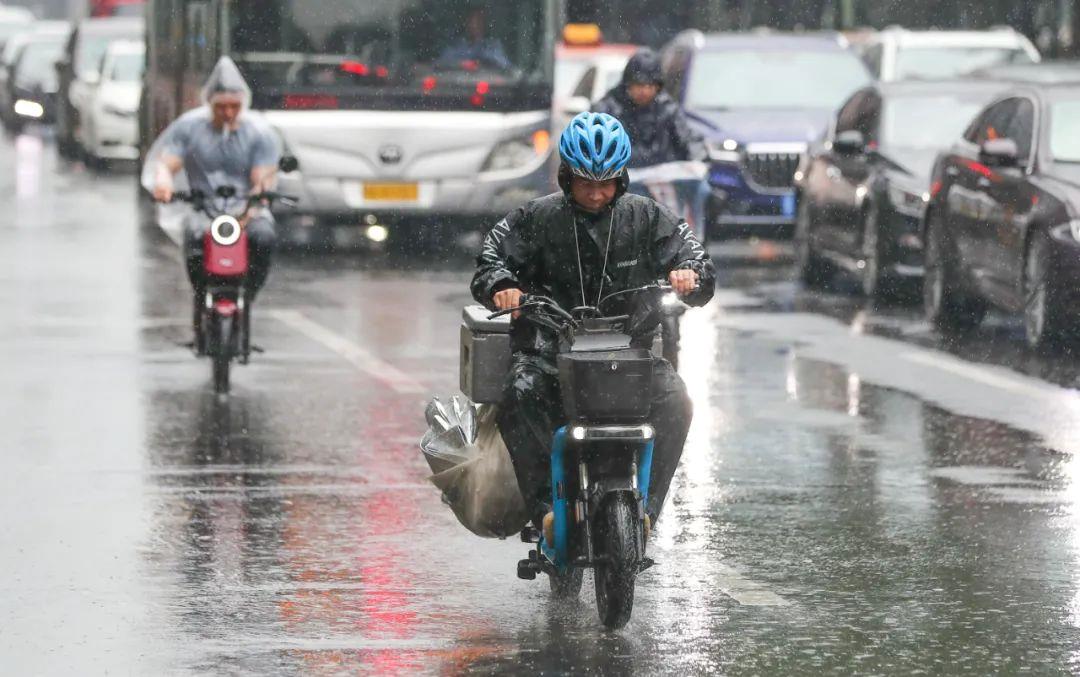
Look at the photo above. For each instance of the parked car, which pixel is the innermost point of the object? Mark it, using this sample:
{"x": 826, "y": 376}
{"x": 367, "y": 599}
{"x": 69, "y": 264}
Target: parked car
{"x": 32, "y": 85}
{"x": 110, "y": 123}
{"x": 1003, "y": 222}
{"x": 10, "y": 54}
{"x": 861, "y": 195}
{"x": 78, "y": 71}
{"x": 759, "y": 100}
{"x": 899, "y": 54}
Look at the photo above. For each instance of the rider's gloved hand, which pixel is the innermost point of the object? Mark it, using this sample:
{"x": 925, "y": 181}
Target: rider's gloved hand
{"x": 508, "y": 298}
{"x": 683, "y": 281}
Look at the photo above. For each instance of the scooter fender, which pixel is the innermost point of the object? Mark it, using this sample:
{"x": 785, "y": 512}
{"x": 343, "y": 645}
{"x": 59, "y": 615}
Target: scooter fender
{"x": 558, "y": 553}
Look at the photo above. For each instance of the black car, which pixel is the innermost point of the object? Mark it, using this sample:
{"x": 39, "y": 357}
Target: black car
{"x": 1003, "y": 222}
{"x": 862, "y": 193}
{"x": 32, "y": 81}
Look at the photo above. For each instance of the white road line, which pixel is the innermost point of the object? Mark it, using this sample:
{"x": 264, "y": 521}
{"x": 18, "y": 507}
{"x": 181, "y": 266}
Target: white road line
{"x": 745, "y": 591}
{"x": 982, "y": 373}
{"x": 385, "y": 373}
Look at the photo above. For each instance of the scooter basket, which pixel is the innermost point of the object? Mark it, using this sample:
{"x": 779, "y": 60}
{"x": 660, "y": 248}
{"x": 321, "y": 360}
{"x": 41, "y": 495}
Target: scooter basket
{"x": 606, "y": 385}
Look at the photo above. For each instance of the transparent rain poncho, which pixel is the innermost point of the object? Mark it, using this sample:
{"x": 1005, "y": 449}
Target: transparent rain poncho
{"x": 225, "y": 78}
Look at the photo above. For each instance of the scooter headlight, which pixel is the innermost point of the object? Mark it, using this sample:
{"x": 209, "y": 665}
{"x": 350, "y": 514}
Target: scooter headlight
{"x": 225, "y": 230}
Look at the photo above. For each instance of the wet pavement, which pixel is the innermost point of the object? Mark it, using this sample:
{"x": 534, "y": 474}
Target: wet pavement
{"x": 857, "y": 496}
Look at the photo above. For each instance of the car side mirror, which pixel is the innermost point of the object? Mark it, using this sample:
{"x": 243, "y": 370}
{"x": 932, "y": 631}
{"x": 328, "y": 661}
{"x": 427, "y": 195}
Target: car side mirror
{"x": 288, "y": 163}
{"x": 851, "y": 142}
{"x": 577, "y": 104}
{"x": 999, "y": 153}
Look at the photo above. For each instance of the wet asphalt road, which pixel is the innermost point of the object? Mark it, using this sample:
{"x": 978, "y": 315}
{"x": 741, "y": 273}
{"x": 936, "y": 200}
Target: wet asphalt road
{"x": 856, "y": 497}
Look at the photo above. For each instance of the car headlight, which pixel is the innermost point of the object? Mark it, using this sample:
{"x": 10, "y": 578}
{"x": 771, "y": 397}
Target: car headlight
{"x": 727, "y": 150}
{"x": 909, "y": 202}
{"x": 1074, "y": 229}
{"x": 518, "y": 152}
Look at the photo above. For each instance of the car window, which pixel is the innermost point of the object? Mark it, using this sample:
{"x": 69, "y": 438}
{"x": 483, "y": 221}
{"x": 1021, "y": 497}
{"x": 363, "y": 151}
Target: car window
{"x": 862, "y": 113}
{"x": 773, "y": 78}
{"x": 993, "y": 123}
{"x": 126, "y": 67}
{"x": 585, "y": 85}
{"x": 1021, "y": 127}
{"x": 945, "y": 62}
{"x": 1065, "y": 131}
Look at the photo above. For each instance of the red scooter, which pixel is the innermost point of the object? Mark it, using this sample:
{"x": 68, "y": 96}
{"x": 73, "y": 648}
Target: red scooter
{"x": 224, "y": 329}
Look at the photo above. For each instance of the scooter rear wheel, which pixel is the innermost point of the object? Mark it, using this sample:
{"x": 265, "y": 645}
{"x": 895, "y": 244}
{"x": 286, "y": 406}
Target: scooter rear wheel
{"x": 221, "y": 353}
{"x": 618, "y": 533}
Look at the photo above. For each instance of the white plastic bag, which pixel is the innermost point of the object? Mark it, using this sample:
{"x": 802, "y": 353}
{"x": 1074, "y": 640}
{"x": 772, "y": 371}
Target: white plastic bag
{"x": 482, "y": 488}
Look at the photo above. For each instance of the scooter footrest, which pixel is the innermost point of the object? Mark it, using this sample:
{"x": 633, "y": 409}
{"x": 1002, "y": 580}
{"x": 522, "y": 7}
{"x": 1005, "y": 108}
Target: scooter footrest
{"x": 530, "y": 535}
{"x": 645, "y": 564}
{"x": 527, "y": 569}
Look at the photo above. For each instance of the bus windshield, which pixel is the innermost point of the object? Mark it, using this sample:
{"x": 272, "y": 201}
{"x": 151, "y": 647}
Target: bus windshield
{"x": 326, "y": 53}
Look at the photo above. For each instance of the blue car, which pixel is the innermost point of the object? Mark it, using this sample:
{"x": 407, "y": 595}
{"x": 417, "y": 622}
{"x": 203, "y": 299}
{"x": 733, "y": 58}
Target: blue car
{"x": 759, "y": 100}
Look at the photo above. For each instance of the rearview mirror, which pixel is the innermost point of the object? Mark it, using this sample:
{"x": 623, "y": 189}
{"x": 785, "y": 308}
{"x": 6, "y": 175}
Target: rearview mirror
{"x": 999, "y": 153}
{"x": 577, "y": 104}
{"x": 288, "y": 163}
{"x": 850, "y": 142}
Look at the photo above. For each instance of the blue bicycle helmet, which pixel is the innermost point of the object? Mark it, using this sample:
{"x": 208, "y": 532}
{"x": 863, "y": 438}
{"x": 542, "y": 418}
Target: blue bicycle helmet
{"x": 595, "y": 146}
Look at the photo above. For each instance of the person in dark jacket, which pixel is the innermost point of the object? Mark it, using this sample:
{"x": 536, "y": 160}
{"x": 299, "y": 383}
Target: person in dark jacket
{"x": 575, "y": 246}
{"x": 656, "y": 122}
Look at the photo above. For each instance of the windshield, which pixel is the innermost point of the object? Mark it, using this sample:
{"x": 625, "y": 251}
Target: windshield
{"x": 1065, "y": 131}
{"x": 127, "y": 67}
{"x": 774, "y": 79}
{"x": 334, "y": 50}
{"x": 946, "y": 62}
{"x": 92, "y": 48}
{"x": 37, "y": 65}
{"x": 926, "y": 121}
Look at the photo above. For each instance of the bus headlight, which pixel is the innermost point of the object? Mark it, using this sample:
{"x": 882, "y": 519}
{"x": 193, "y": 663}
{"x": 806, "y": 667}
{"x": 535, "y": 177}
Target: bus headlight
{"x": 225, "y": 230}
{"x": 518, "y": 152}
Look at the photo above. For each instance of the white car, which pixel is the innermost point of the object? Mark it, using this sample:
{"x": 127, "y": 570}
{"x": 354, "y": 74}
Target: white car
{"x": 110, "y": 129}
{"x": 900, "y": 54}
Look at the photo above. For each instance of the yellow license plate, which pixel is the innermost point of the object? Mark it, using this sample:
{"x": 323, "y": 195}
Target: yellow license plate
{"x": 391, "y": 192}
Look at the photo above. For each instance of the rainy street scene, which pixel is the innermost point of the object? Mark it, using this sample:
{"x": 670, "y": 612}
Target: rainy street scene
{"x": 553, "y": 337}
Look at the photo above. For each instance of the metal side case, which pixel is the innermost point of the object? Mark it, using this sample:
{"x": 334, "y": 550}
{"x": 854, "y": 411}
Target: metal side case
{"x": 485, "y": 354}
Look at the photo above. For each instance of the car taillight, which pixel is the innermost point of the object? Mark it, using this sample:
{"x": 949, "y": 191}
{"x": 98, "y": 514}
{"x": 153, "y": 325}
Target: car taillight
{"x": 310, "y": 101}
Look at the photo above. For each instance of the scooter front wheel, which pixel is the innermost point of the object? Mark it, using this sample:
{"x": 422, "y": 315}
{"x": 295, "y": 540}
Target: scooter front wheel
{"x": 221, "y": 353}
{"x": 619, "y": 535}
{"x": 566, "y": 586}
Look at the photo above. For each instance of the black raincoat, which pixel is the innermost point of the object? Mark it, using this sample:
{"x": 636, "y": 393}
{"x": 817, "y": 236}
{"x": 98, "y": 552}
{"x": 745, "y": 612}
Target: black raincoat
{"x": 659, "y": 132}
{"x": 535, "y": 249}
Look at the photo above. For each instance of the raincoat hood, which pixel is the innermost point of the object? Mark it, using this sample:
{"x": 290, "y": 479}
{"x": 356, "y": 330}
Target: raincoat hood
{"x": 643, "y": 68}
{"x": 226, "y": 78}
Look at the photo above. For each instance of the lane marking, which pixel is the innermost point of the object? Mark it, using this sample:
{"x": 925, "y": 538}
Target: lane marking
{"x": 982, "y": 373}
{"x": 746, "y": 591}
{"x": 381, "y": 371}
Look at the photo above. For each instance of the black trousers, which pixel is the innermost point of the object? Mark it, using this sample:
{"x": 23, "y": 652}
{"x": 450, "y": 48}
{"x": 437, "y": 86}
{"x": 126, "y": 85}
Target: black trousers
{"x": 531, "y": 411}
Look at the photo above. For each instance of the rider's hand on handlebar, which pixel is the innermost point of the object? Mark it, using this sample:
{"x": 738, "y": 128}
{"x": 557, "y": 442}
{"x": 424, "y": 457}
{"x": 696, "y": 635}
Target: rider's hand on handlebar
{"x": 508, "y": 298}
{"x": 684, "y": 282}
{"x": 163, "y": 192}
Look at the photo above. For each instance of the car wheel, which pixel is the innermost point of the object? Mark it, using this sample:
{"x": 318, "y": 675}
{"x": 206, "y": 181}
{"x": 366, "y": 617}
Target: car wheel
{"x": 813, "y": 271}
{"x": 871, "y": 279}
{"x": 947, "y": 308}
{"x": 1046, "y": 320}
